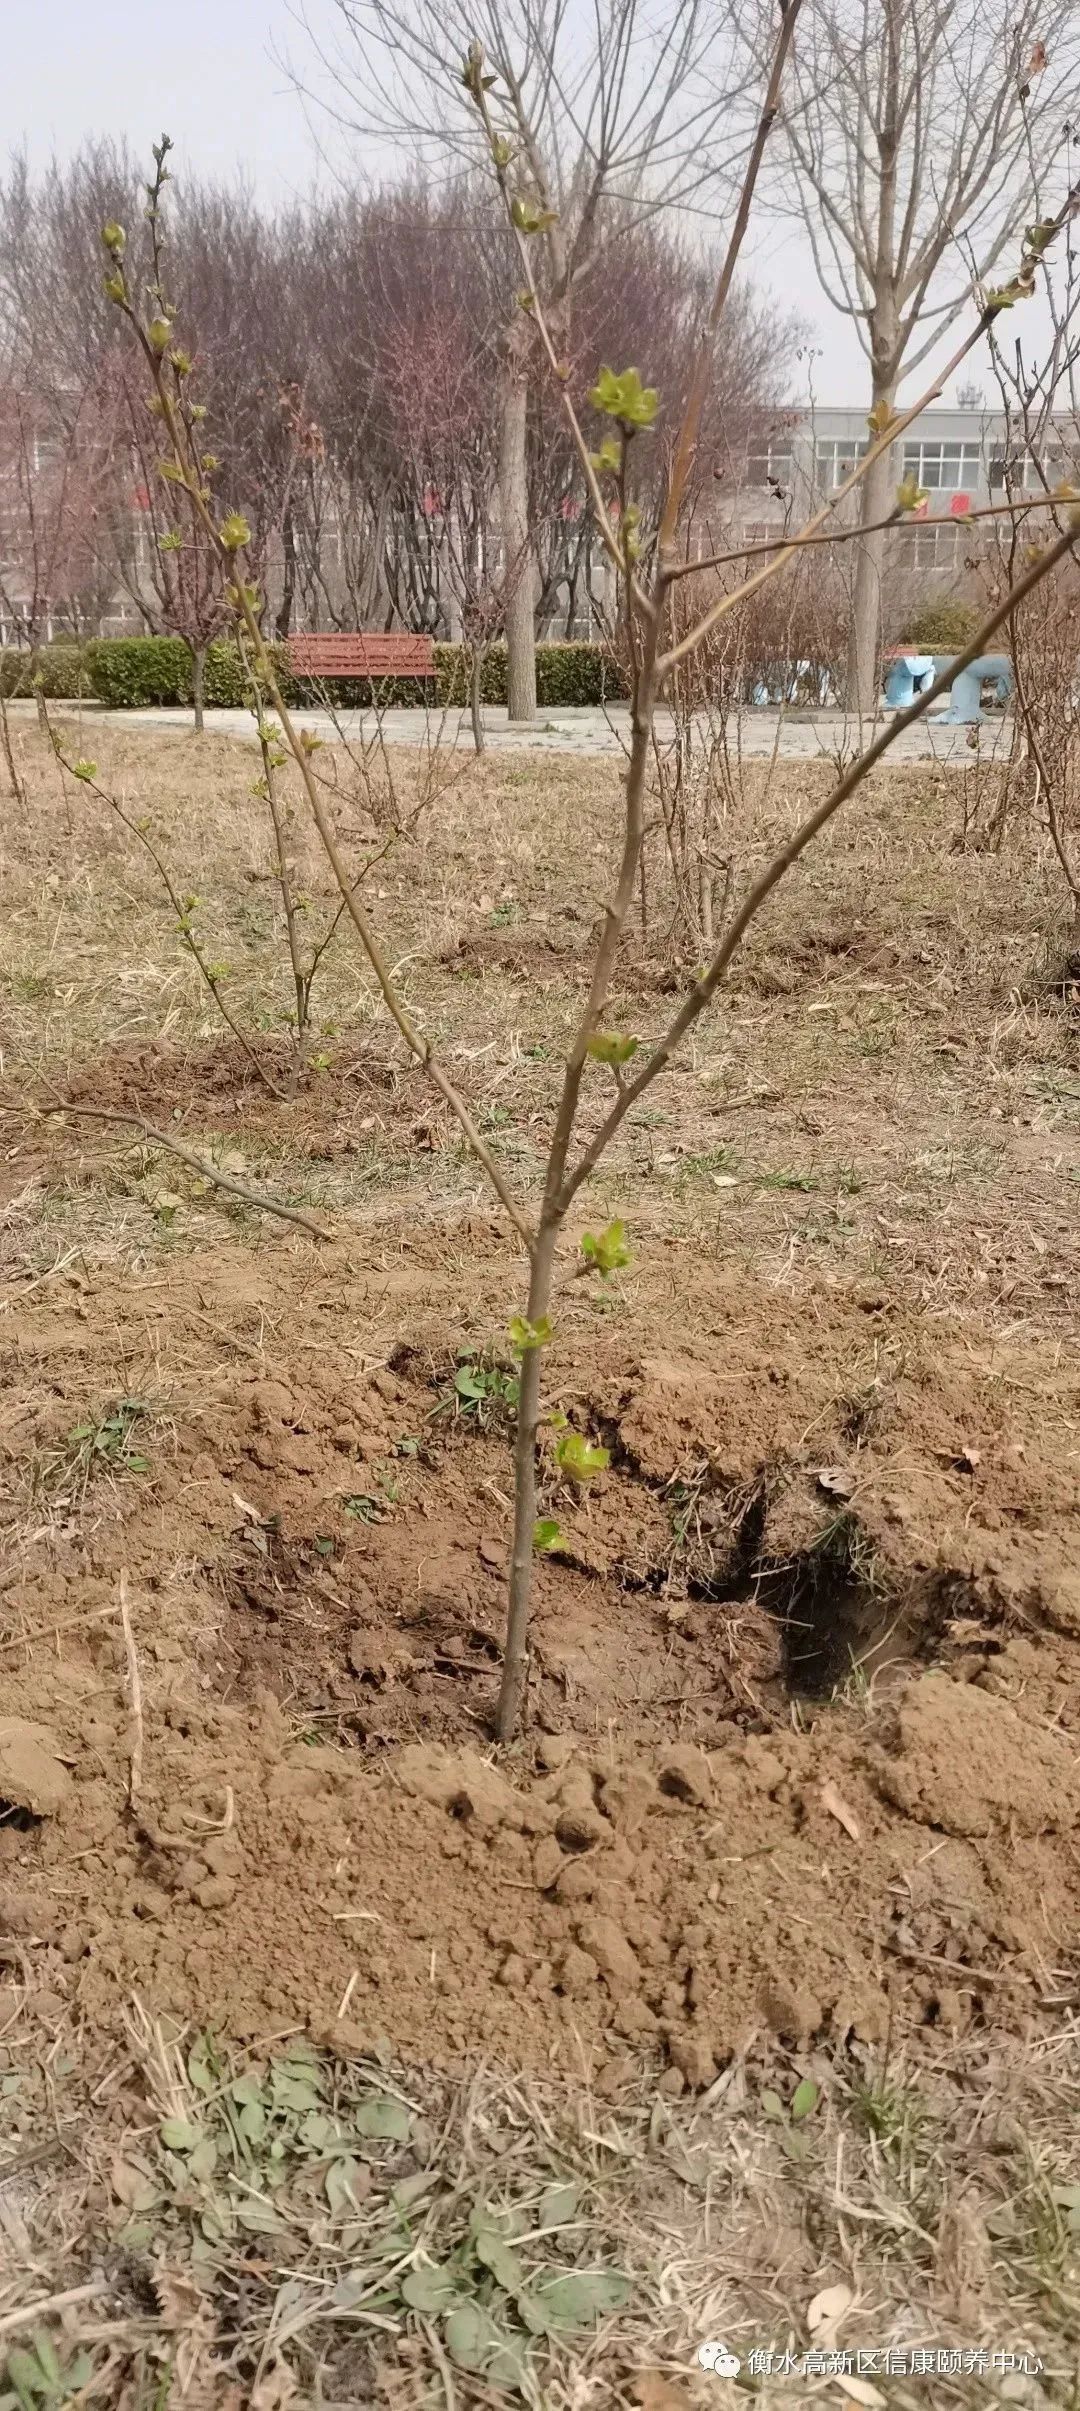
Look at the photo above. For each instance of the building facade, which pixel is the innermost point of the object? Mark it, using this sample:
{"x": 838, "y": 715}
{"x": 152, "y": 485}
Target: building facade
{"x": 959, "y": 454}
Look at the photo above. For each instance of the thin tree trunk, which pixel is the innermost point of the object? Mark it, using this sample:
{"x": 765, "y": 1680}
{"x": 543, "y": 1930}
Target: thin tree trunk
{"x": 18, "y": 786}
{"x": 198, "y": 685}
{"x": 517, "y": 550}
{"x": 516, "y": 1659}
{"x": 553, "y": 1211}
{"x": 476, "y": 682}
{"x": 288, "y": 576}
{"x": 866, "y": 599}
{"x": 864, "y": 636}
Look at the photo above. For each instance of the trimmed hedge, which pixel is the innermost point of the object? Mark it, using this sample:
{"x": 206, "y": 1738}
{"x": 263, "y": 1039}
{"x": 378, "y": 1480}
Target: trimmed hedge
{"x": 567, "y": 675}
{"x": 944, "y": 627}
{"x": 63, "y": 671}
{"x": 129, "y": 672}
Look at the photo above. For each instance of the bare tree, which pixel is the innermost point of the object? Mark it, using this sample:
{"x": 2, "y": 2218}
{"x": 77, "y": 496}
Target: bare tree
{"x": 913, "y": 128}
{"x": 629, "y": 107}
{"x": 1038, "y": 470}
{"x": 648, "y": 567}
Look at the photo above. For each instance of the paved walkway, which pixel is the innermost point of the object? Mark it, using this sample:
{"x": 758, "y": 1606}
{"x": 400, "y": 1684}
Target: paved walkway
{"x": 797, "y": 736}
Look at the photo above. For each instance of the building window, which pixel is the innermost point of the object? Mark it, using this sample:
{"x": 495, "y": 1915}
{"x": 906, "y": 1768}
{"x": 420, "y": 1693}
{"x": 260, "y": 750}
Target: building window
{"x": 943, "y": 466}
{"x": 931, "y": 547}
{"x": 769, "y": 463}
{"x": 835, "y": 457}
{"x": 1026, "y": 474}
{"x": 760, "y": 531}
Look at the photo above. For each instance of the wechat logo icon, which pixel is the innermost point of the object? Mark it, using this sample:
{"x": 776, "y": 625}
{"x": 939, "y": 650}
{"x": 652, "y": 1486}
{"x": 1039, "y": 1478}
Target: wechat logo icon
{"x": 714, "y": 2356}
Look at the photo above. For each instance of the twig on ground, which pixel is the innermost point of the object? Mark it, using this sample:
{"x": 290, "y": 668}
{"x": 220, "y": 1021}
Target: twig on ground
{"x": 28, "y": 1640}
{"x": 257, "y": 1198}
{"x": 29, "y": 2312}
{"x": 135, "y": 1689}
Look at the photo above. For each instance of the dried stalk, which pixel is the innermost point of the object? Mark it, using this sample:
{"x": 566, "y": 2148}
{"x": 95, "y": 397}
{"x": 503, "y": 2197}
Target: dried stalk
{"x": 259, "y": 1199}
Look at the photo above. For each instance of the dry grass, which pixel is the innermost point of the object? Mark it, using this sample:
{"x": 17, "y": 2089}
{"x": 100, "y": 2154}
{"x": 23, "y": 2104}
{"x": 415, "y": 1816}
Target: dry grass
{"x": 887, "y": 1090}
{"x": 225, "y": 2233}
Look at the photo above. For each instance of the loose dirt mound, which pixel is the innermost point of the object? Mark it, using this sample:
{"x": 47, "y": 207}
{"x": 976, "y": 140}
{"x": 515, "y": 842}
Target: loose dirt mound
{"x": 313, "y": 1533}
{"x": 602, "y": 1900}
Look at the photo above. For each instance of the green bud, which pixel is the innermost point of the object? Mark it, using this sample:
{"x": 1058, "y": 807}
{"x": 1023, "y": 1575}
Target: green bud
{"x": 580, "y": 1458}
{"x": 528, "y": 216}
{"x": 607, "y": 1251}
{"x": 622, "y": 396}
{"x": 234, "y": 531}
{"x": 525, "y": 1335}
{"x": 113, "y": 237}
{"x": 609, "y": 455}
{"x": 159, "y": 334}
{"x": 114, "y": 287}
{"x": 606, "y": 1046}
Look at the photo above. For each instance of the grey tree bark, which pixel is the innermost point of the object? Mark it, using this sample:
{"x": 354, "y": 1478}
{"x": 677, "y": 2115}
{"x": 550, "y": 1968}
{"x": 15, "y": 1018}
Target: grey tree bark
{"x": 864, "y": 639}
{"x": 198, "y": 685}
{"x": 519, "y": 568}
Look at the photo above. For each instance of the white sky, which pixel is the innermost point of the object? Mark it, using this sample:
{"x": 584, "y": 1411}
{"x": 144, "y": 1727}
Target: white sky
{"x": 208, "y": 76}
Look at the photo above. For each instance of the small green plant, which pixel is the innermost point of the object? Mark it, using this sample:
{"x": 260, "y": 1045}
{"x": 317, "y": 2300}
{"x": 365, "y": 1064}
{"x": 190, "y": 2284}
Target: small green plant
{"x": 786, "y": 1177}
{"x": 891, "y": 2112}
{"x": 790, "y": 2117}
{"x": 607, "y": 1251}
{"x": 580, "y": 1459}
{"x": 35, "y": 2378}
{"x": 99, "y": 1444}
{"x": 363, "y": 1506}
{"x": 29, "y": 987}
{"x": 482, "y": 1393}
{"x": 252, "y": 2152}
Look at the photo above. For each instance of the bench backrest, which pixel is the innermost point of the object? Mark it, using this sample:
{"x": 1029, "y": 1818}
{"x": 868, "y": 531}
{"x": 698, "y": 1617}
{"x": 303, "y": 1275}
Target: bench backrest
{"x": 362, "y": 656}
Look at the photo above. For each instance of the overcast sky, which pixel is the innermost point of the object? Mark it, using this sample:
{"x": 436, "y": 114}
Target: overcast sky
{"x": 208, "y": 75}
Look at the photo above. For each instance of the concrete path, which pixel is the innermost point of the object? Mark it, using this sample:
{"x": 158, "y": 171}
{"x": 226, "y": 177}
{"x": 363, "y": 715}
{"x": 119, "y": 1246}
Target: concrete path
{"x": 797, "y": 736}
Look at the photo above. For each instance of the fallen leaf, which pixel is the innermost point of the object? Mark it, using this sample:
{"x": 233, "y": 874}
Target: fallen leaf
{"x": 180, "y": 2301}
{"x": 837, "y": 1807}
{"x": 836, "y": 1481}
{"x": 655, "y": 2393}
{"x": 860, "y": 2391}
{"x": 251, "y": 1515}
{"x": 827, "y": 2309}
{"x": 133, "y": 2184}
{"x": 274, "y": 2390}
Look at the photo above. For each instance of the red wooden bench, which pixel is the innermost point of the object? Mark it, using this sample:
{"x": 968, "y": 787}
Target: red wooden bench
{"x": 362, "y": 656}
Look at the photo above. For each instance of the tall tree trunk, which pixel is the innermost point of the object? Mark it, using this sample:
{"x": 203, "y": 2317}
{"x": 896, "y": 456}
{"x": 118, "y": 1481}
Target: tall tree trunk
{"x": 517, "y": 550}
{"x": 476, "y": 686}
{"x": 288, "y": 576}
{"x": 198, "y": 685}
{"x": 864, "y": 638}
